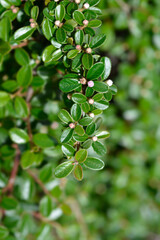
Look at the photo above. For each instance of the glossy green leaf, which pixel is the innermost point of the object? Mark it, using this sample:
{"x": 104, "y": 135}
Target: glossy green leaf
{"x": 35, "y": 12}
{"x": 78, "y": 17}
{"x": 24, "y": 76}
{"x": 47, "y": 53}
{"x": 78, "y": 173}
{"x": 4, "y": 47}
{"x": 66, "y": 135}
{"x": 100, "y": 87}
{"x": 79, "y": 98}
{"x": 42, "y": 140}
{"x": 27, "y": 159}
{"x": 4, "y": 98}
{"x": 95, "y": 71}
{"x": 99, "y": 148}
{"x": 5, "y": 28}
{"x": 45, "y": 206}
{"x": 72, "y": 53}
{"x": 79, "y": 37}
{"x": 68, "y": 84}
{"x": 76, "y": 112}
{"x": 21, "y": 107}
{"x": 103, "y": 135}
{"x": 68, "y": 150}
{"x": 64, "y": 169}
{"x": 94, "y": 163}
{"x": 95, "y": 23}
{"x": 85, "y": 121}
{"x": 107, "y": 67}
{"x": 87, "y": 61}
{"x": 23, "y": 33}
{"x": 65, "y": 116}
{"x": 93, "y": 2}
{"x": 91, "y": 128}
{"x": 47, "y": 28}
{"x": 60, "y": 12}
{"x": 97, "y": 40}
{"x": 85, "y": 107}
{"x": 61, "y": 35}
{"x": 79, "y": 130}
{"x": 3, "y": 232}
{"x": 102, "y": 104}
{"x": 21, "y": 56}
{"x": 79, "y": 138}
{"x": 18, "y": 136}
{"x": 81, "y": 155}
{"x": 9, "y": 203}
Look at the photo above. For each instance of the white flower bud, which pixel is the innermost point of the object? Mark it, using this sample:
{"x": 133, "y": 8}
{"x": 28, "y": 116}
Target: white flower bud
{"x": 85, "y": 22}
{"x": 72, "y": 125}
{"x": 57, "y": 23}
{"x": 78, "y": 47}
{"x": 94, "y": 138}
{"x": 91, "y": 115}
{"x": 77, "y": 1}
{"x": 91, "y": 101}
{"x": 56, "y": 0}
{"x": 89, "y": 50}
{"x": 86, "y": 5}
{"x": 110, "y": 83}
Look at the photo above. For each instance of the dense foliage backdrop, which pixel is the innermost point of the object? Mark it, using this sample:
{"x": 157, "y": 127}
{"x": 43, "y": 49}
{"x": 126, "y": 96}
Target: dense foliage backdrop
{"x": 122, "y": 201}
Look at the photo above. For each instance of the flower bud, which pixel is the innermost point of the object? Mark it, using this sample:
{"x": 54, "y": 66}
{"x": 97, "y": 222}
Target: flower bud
{"x": 77, "y": 1}
{"x": 57, "y": 23}
{"x": 85, "y": 22}
{"x": 91, "y": 101}
{"x": 56, "y": 0}
{"x": 90, "y": 84}
{"x": 86, "y": 5}
{"x": 110, "y": 83}
{"x": 15, "y": 10}
{"x": 78, "y": 47}
{"x": 69, "y": 96}
{"x": 91, "y": 115}
{"x": 31, "y": 20}
{"x": 72, "y": 125}
{"x": 89, "y": 50}
{"x": 94, "y": 138}
{"x": 83, "y": 81}
{"x": 33, "y": 25}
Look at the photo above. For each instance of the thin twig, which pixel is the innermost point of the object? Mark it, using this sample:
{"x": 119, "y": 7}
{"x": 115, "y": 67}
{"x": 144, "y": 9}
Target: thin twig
{"x": 10, "y": 185}
{"x": 22, "y": 44}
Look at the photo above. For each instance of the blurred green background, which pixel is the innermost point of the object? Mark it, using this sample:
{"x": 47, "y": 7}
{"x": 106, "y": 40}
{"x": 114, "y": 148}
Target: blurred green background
{"x": 122, "y": 201}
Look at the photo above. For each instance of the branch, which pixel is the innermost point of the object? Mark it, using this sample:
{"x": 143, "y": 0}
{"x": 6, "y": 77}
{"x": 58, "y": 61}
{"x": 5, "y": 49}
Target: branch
{"x": 10, "y": 185}
{"x": 22, "y": 44}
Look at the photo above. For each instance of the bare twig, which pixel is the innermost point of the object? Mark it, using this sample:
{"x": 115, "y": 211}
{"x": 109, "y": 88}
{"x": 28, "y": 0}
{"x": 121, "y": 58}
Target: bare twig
{"x": 22, "y": 44}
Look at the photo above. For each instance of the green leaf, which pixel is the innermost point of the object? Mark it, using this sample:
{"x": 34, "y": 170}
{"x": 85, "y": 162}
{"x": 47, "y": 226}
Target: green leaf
{"x": 68, "y": 27}
{"x": 27, "y": 159}
{"x": 64, "y": 169}
{"x": 76, "y": 112}
{"x": 79, "y": 98}
{"x": 87, "y": 144}
{"x": 94, "y": 163}
{"x": 79, "y": 37}
{"x": 78, "y": 173}
{"x": 21, "y": 107}
{"x": 95, "y": 23}
{"x": 81, "y": 155}
{"x": 3, "y": 232}
{"x": 24, "y": 76}
{"x": 97, "y": 41}
{"x": 72, "y": 53}
{"x": 42, "y": 140}
{"x": 65, "y": 116}
{"x": 102, "y": 104}
{"x": 5, "y": 28}
{"x": 91, "y": 128}
{"x": 95, "y": 71}
{"x": 61, "y": 35}
{"x": 66, "y": 135}
{"x": 79, "y": 130}
{"x": 47, "y": 53}
{"x": 35, "y": 12}
{"x": 79, "y": 138}
{"x": 97, "y": 112}
{"x": 69, "y": 84}
{"x": 47, "y": 28}
{"x": 113, "y": 89}
{"x": 85, "y": 121}
{"x": 9, "y": 203}
{"x": 78, "y": 17}
{"x": 93, "y": 2}
{"x": 87, "y": 61}
{"x": 76, "y": 62}
{"x": 98, "y": 97}
{"x": 68, "y": 150}
{"x": 100, "y": 87}
{"x": 18, "y": 136}
{"x": 45, "y": 206}
{"x": 60, "y": 12}
{"x": 23, "y": 33}
{"x": 103, "y": 135}
{"x": 21, "y": 56}
{"x": 4, "y": 98}
{"x": 4, "y": 47}
{"x": 107, "y": 67}
{"x": 108, "y": 95}
{"x": 99, "y": 148}
{"x": 10, "y": 85}
{"x": 85, "y": 107}
{"x": 57, "y": 55}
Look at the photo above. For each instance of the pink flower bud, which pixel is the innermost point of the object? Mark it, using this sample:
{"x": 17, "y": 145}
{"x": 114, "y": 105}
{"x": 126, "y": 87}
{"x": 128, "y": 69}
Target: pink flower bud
{"x": 72, "y": 125}
{"x": 89, "y": 50}
{"x": 94, "y": 138}
{"x": 91, "y": 101}
{"x": 78, "y": 47}
{"x": 31, "y": 20}
{"x": 86, "y": 5}
{"x": 90, "y": 84}
{"x": 85, "y": 22}
{"x": 57, "y": 23}
{"x": 33, "y": 25}
{"x": 83, "y": 81}
{"x": 15, "y": 10}
{"x": 69, "y": 96}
